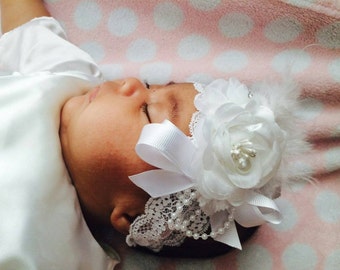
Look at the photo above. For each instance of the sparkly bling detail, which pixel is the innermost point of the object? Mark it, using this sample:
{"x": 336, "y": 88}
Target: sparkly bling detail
{"x": 230, "y": 169}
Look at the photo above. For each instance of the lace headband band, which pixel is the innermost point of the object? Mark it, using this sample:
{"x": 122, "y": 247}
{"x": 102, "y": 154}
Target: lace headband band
{"x": 231, "y": 168}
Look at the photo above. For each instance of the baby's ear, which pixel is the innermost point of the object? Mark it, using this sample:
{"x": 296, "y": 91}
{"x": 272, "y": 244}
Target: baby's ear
{"x": 121, "y": 220}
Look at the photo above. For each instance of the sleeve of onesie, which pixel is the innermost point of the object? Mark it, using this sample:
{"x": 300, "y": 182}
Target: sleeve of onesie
{"x": 41, "y": 45}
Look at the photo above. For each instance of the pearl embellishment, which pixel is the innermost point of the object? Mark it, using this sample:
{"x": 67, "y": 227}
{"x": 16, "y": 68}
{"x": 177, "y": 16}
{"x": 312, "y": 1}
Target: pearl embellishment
{"x": 242, "y": 154}
{"x": 176, "y": 223}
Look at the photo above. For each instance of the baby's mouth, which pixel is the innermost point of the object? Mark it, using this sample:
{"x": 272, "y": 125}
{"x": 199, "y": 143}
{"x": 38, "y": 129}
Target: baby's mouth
{"x": 94, "y": 93}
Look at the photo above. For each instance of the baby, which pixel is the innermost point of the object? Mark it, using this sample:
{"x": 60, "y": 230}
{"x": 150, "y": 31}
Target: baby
{"x": 158, "y": 163}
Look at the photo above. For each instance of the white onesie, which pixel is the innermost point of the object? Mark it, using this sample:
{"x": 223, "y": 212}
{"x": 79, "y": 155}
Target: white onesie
{"x": 41, "y": 224}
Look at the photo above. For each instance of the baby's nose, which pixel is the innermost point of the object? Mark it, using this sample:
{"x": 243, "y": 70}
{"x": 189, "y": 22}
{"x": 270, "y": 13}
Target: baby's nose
{"x": 130, "y": 86}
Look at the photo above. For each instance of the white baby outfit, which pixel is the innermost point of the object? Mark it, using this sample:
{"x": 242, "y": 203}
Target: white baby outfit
{"x": 41, "y": 225}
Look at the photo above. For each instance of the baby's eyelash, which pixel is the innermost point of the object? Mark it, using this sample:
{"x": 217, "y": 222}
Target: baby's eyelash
{"x": 145, "y": 110}
{"x": 147, "y": 85}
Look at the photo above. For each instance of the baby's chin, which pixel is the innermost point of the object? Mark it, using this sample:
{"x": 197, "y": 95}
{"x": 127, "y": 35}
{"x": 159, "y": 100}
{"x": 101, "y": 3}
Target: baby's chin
{"x": 70, "y": 109}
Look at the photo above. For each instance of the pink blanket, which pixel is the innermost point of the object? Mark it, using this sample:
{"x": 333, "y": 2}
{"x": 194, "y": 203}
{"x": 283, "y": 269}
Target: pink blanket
{"x": 160, "y": 41}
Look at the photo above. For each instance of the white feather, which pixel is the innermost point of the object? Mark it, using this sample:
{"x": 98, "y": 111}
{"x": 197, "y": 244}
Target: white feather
{"x": 284, "y": 100}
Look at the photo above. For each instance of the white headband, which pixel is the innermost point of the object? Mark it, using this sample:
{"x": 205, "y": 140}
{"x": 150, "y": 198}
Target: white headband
{"x": 231, "y": 168}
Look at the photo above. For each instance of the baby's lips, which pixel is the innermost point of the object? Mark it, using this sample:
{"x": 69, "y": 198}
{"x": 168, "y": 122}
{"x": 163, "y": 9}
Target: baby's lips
{"x": 94, "y": 93}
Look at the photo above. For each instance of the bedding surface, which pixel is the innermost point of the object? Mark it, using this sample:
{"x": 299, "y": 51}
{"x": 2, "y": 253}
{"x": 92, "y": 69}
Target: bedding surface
{"x": 197, "y": 40}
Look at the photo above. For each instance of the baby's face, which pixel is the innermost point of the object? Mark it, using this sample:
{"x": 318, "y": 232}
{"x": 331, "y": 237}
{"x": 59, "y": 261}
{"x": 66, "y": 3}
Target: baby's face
{"x": 99, "y": 131}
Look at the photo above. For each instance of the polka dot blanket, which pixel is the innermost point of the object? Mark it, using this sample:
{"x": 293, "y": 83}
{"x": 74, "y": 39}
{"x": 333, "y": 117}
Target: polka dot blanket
{"x": 199, "y": 40}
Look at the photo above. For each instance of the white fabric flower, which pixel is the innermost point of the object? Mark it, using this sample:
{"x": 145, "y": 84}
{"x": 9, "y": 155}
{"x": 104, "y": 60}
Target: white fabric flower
{"x": 239, "y": 140}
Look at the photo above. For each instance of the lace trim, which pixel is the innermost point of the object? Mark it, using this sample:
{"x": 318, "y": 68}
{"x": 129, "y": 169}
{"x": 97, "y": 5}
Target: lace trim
{"x": 193, "y": 123}
{"x": 196, "y": 115}
{"x": 152, "y": 229}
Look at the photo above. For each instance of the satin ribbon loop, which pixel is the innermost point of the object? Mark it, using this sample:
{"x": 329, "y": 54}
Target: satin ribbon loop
{"x": 258, "y": 210}
{"x": 158, "y": 183}
{"x": 166, "y": 147}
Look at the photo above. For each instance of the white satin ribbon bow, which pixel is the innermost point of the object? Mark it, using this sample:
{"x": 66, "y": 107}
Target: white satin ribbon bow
{"x": 169, "y": 149}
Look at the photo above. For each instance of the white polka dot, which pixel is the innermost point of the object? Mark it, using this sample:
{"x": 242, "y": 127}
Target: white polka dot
{"x": 167, "y": 16}
{"x": 156, "y": 73}
{"x": 254, "y": 257}
{"x": 122, "y": 22}
{"x": 112, "y": 71}
{"x": 299, "y": 257}
{"x": 193, "y": 47}
{"x": 283, "y": 30}
{"x": 230, "y": 61}
{"x": 200, "y": 78}
{"x": 301, "y": 3}
{"x": 333, "y": 260}
{"x": 94, "y": 49}
{"x": 141, "y": 50}
{"x": 310, "y": 109}
{"x": 292, "y": 61}
{"x": 327, "y": 205}
{"x": 204, "y": 4}
{"x": 235, "y": 25}
{"x": 87, "y": 15}
{"x": 329, "y": 36}
{"x": 332, "y": 159}
{"x": 334, "y": 69}
{"x": 289, "y": 215}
